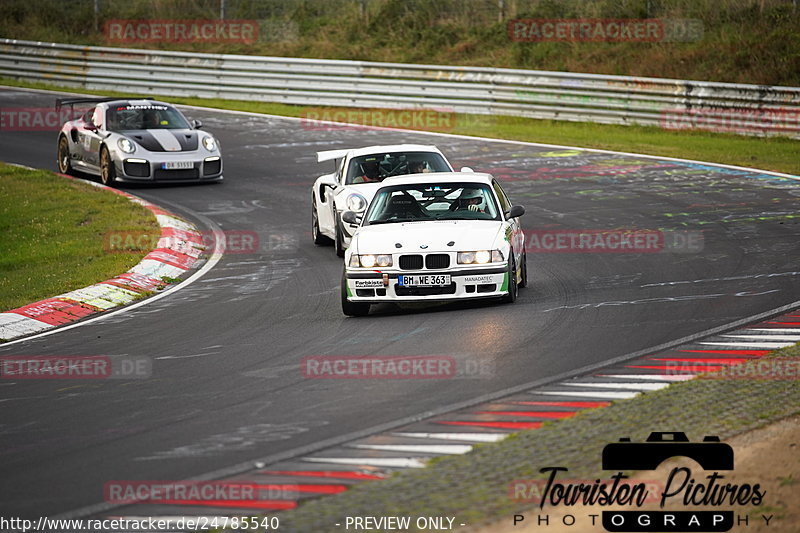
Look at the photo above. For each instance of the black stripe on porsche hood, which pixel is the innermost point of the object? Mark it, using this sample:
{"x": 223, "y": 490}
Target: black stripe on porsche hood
{"x": 186, "y": 138}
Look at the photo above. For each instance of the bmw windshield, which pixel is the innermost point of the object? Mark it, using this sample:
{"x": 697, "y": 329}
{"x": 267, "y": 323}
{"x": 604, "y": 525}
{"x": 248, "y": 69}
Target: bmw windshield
{"x": 446, "y": 201}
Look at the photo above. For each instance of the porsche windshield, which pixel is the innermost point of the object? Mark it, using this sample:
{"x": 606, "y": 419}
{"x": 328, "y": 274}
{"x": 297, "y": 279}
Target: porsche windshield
{"x": 445, "y": 201}
{"x": 377, "y": 167}
{"x": 144, "y": 117}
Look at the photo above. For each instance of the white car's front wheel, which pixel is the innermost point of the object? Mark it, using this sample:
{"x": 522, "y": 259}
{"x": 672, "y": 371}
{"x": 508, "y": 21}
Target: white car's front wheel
{"x": 352, "y": 308}
{"x": 513, "y": 287}
{"x": 339, "y": 241}
{"x": 319, "y": 238}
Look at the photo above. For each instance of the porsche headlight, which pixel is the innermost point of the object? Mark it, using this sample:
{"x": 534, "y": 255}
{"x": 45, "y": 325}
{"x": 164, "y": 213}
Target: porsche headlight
{"x": 355, "y": 202}
{"x": 126, "y": 145}
{"x": 209, "y": 143}
{"x": 480, "y": 257}
{"x": 370, "y": 260}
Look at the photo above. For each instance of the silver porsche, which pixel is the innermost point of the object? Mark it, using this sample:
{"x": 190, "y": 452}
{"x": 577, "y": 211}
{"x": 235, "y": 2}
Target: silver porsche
{"x": 136, "y": 140}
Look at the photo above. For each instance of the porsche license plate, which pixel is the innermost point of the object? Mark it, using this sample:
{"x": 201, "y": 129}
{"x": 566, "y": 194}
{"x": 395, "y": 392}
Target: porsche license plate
{"x": 424, "y": 280}
{"x": 177, "y": 165}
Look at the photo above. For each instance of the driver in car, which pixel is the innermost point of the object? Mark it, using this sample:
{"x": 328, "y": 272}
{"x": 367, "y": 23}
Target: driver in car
{"x": 471, "y": 200}
{"x": 371, "y": 173}
{"x": 417, "y": 167}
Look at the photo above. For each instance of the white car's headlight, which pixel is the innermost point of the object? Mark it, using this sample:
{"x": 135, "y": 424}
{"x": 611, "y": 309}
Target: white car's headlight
{"x": 355, "y": 202}
{"x": 480, "y": 257}
{"x": 209, "y": 143}
{"x": 370, "y": 260}
{"x": 126, "y": 145}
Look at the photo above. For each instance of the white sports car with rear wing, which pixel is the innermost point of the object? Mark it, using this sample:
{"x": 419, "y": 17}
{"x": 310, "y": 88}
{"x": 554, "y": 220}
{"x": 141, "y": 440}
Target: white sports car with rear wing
{"x": 358, "y": 174}
{"x": 434, "y": 237}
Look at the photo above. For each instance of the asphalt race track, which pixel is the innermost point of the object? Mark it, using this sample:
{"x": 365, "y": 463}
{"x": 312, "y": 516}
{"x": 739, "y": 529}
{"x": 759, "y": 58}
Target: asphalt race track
{"x": 227, "y": 385}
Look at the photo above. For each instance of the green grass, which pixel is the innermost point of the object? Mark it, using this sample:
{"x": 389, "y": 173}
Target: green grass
{"x": 52, "y": 235}
{"x": 773, "y": 153}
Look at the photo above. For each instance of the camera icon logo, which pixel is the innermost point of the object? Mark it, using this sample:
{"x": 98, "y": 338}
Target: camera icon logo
{"x": 711, "y": 454}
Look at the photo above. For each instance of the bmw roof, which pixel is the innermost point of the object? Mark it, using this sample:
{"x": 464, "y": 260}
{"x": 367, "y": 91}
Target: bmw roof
{"x": 439, "y": 177}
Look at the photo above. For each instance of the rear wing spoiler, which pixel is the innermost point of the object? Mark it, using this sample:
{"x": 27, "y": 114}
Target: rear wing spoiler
{"x": 331, "y": 154}
{"x": 61, "y": 102}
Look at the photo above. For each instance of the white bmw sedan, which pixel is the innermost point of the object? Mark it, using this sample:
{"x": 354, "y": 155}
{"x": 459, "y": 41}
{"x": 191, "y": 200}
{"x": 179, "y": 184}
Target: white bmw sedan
{"x": 436, "y": 237}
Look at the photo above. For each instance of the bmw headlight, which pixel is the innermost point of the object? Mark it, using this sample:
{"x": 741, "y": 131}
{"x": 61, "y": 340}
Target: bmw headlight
{"x": 370, "y": 260}
{"x": 209, "y": 143}
{"x": 356, "y": 202}
{"x": 126, "y": 145}
{"x": 480, "y": 257}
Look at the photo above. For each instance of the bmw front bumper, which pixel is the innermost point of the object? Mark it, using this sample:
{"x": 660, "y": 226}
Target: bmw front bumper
{"x": 467, "y": 283}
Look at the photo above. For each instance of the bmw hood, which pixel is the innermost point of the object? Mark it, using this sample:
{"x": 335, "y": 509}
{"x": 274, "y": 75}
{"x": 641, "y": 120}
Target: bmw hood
{"x": 425, "y": 237}
{"x": 164, "y": 140}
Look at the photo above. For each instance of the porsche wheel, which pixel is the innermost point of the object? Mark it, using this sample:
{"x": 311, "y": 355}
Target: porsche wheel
{"x": 319, "y": 238}
{"x": 108, "y": 172}
{"x": 64, "y": 163}
{"x": 339, "y": 241}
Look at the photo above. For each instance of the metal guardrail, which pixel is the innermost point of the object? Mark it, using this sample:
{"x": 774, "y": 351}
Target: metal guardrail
{"x": 673, "y": 104}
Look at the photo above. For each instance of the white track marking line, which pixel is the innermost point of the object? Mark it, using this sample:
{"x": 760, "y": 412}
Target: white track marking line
{"x": 399, "y": 462}
{"x": 446, "y": 449}
{"x": 595, "y": 394}
{"x": 794, "y": 338}
{"x": 12, "y": 324}
{"x": 623, "y": 386}
{"x": 777, "y": 330}
{"x": 765, "y": 345}
{"x": 475, "y": 437}
{"x": 650, "y": 377}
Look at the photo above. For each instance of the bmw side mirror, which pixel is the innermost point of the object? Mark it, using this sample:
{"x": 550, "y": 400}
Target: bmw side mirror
{"x": 466, "y": 169}
{"x": 196, "y": 124}
{"x": 351, "y": 218}
{"x": 515, "y": 211}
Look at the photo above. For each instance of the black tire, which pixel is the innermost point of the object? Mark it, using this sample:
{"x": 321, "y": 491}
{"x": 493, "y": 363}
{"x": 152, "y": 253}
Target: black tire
{"x": 338, "y": 242}
{"x": 64, "y": 162}
{"x": 319, "y": 238}
{"x": 352, "y": 308}
{"x": 513, "y": 287}
{"x": 524, "y": 282}
{"x": 108, "y": 172}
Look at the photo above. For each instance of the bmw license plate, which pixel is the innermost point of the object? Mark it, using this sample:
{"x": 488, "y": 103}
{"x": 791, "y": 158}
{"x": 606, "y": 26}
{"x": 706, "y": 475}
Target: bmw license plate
{"x": 177, "y": 165}
{"x": 424, "y": 280}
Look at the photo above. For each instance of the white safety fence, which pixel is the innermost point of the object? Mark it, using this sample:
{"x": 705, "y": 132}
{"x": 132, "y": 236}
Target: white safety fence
{"x": 672, "y": 104}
